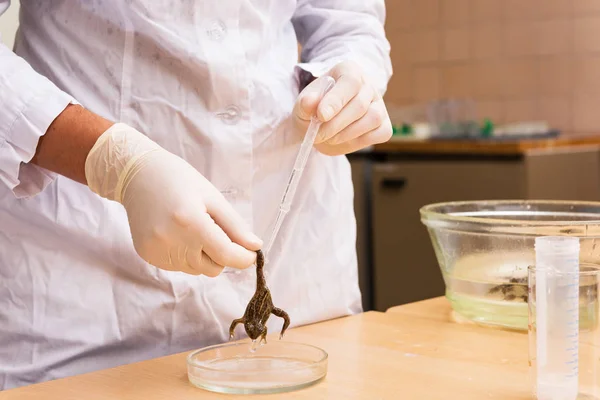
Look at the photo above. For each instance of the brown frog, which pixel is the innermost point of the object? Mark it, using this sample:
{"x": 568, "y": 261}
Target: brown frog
{"x": 260, "y": 308}
{"x": 516, "y": 289}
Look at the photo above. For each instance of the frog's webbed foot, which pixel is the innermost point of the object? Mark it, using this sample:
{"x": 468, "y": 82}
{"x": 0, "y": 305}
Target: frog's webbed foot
{"x": 286, "y": 319}
{"x": 233, "y": 325}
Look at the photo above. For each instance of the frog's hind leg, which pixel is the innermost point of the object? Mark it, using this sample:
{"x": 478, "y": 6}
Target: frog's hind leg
{"x": 286, "y": 319}
{"x": 233, "y": 325}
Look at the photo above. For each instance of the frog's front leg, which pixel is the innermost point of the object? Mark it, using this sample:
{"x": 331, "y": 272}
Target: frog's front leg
{"x": 286, "y": 319}
{"x": 263, "y": 336}
{"x": 233, "y": 325}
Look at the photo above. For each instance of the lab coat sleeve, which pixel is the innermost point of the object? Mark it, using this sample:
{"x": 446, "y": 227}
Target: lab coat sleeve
{"x": 331, "y": 31}
{"x": 29, "y": 103}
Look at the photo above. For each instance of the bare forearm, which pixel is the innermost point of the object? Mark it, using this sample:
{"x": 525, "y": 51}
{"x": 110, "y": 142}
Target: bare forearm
{"x": 68, "y": 140}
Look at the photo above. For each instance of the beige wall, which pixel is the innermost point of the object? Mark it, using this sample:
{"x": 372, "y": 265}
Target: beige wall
{"x": 520, "y": 59}
{"x": 9, "y": 21}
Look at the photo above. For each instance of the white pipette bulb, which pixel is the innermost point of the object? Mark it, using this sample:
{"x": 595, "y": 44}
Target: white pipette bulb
{"x": 557, "y": 317}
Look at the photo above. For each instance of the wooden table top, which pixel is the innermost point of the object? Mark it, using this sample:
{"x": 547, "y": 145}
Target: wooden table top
{"x": 415, "y": 351}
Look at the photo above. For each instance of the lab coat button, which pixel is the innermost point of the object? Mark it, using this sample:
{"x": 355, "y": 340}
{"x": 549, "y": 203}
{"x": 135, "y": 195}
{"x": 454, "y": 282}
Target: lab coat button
{"x": 217, "y": 31}
{"x": 231, "y": 115}
{"x": 230, "y": 193}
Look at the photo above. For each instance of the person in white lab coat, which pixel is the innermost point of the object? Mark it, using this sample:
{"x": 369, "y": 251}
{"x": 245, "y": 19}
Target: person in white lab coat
{"x": 183, "y": 119}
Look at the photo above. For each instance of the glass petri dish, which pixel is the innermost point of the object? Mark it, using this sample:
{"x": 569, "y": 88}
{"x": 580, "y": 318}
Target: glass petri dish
{"x": 276, "y": 367}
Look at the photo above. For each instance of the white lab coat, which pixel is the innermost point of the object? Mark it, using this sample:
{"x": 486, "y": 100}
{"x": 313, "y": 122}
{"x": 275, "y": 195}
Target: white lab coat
{"x": 213, "y": 82}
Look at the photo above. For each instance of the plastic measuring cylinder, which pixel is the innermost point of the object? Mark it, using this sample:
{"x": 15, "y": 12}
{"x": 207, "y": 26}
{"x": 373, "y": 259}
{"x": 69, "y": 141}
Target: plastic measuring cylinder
{"x": 557, "y": 317}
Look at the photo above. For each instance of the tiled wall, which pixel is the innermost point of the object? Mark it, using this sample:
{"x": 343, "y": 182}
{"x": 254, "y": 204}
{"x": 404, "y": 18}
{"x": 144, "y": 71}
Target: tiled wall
{"x": 519, "y": 59}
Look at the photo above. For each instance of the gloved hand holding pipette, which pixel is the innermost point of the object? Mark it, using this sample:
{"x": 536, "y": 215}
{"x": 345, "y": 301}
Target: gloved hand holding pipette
{"x": 353, "y": 113}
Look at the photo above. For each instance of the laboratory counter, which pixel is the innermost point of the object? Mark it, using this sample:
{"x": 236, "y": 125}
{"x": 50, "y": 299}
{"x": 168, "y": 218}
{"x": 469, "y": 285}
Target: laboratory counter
{"x": 415, "y": 351}
{"x": 496, "y": 147}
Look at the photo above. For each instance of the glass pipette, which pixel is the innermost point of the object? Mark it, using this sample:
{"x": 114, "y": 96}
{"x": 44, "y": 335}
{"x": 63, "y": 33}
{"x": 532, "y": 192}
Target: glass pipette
{"x": 301, "y": 159}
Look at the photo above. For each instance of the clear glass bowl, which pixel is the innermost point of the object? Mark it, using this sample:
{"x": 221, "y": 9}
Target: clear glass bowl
{"x": 484, "y": 248}
{"x": 275, "y": 367}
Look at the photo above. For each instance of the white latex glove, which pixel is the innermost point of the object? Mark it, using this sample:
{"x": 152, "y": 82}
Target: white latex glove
{"x": 179, "y": 221}
{"x": 353, "y": 113}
